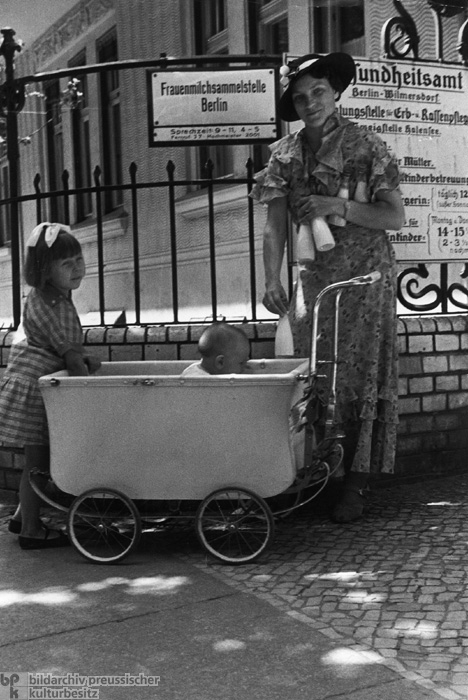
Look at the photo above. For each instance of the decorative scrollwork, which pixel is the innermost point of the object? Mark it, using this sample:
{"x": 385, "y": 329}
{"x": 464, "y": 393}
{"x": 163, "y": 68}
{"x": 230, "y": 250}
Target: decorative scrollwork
{"x": 459, "y": 288}
{"x": 407, "y": 287}
{"x": 408, "y": 290}
{"x": 462, "y": 46}
{"x": 399, "y": 35}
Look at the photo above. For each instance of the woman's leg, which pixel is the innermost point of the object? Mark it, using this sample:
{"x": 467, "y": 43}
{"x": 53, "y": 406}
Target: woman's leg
{"x": 351, "y": 504}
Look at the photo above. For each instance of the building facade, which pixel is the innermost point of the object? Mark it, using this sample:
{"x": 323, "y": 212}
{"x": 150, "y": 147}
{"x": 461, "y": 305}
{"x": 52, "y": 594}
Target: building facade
{"x": 103, "y": 122}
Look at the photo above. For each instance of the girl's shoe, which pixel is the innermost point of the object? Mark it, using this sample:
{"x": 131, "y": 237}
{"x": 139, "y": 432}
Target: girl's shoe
{"x": 14, "y": 526}
{"x": 45, "y": 543}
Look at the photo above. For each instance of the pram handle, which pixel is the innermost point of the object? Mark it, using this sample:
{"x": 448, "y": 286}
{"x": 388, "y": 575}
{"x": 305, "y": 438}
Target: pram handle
{"x": 337, "y": 287}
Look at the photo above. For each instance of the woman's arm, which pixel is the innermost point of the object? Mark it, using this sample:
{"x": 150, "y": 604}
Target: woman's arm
{"x": 274, "y": 241}
{"x": 387, "y": 212}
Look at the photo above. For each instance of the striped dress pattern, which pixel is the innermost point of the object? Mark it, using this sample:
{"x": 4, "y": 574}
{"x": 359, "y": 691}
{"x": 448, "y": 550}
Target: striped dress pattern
{"x": 50, "y": 328}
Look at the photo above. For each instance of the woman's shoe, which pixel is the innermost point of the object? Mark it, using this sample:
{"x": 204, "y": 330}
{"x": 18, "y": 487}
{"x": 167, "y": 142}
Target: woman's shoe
{"x": 350, "y": 507}
{"x": 353, "y": 500}
{"x": 45, "y": 543}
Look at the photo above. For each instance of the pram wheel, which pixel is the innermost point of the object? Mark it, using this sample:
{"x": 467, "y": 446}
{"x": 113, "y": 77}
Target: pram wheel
{"x": 104, "y": 525}
{"x": 234, "y": 525}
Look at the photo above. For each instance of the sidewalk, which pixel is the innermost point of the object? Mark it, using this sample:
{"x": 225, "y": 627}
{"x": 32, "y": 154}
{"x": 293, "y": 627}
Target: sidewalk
{"x": 375, "y": 609}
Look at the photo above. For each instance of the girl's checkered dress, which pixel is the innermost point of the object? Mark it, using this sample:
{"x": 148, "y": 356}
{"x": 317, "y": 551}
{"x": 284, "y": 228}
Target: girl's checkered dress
{"x": 51, "y": 328}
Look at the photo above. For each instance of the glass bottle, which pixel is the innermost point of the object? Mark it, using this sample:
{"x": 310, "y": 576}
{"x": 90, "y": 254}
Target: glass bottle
{"x": 323, "y": 237}
{"x": 343, "y": 193}
{"x": 305, "y": 249}
{"x": 360, "y": 193}
{"x": 284, "y": 344}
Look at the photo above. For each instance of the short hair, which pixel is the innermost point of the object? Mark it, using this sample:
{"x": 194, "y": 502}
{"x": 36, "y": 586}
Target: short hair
{"x": 218, "y": 338}
{"x": 40, "y": 257}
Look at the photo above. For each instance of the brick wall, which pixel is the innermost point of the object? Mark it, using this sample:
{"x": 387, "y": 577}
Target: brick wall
{"x": 433, "y": 430}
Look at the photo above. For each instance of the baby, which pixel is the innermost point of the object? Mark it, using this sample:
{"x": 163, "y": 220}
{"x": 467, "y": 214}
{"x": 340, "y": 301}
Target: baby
{"x": 224, "y": 350}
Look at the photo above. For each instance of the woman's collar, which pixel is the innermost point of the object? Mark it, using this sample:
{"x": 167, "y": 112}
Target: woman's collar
{"x": 329, "y": 155}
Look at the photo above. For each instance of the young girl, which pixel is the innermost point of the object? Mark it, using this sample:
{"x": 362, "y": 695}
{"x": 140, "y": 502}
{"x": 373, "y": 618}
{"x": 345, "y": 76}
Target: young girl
{"x": 52, "y": 341}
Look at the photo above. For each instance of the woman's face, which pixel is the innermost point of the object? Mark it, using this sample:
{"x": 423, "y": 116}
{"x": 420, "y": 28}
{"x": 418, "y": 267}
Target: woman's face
{"x": 314, "y": 100}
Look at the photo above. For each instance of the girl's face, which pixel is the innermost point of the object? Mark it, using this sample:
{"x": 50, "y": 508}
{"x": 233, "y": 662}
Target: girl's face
{"x": 314, "y": 100}
{"x": 67, "y": 274}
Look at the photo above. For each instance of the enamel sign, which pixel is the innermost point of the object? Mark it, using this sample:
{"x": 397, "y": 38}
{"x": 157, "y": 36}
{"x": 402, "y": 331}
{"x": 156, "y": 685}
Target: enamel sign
{"x": 219, "y": 106}
{"x": 421, "y": 112}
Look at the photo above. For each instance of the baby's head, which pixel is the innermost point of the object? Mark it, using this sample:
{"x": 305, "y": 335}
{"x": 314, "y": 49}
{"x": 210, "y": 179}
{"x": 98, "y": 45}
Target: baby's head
{"x": 47, "y": 244}
{"x": 224, "y": 349}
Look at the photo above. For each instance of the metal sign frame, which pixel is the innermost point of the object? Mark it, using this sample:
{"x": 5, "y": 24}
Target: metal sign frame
{"x": 207, "y": 121}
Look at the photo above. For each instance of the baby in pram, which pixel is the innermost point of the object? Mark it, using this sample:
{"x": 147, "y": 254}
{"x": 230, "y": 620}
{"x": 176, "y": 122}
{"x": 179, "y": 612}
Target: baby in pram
{"x": 224, "y": 349}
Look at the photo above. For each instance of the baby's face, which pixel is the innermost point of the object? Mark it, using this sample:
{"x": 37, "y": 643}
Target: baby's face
{"x": 235, "y": 361}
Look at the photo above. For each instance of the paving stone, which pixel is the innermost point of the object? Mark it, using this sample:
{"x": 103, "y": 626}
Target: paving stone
{"x": 395, "y": 582}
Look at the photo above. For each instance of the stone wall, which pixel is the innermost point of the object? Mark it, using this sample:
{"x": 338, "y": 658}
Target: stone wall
{"x": 433, "y": 430}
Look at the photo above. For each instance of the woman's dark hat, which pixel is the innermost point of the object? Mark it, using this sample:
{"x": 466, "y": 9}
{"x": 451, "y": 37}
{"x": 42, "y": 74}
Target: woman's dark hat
{"x": 339, "y": 64}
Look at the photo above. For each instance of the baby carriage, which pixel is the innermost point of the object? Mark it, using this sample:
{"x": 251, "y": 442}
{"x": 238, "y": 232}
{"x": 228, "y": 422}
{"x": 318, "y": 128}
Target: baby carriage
{"x": 138, "y": 446}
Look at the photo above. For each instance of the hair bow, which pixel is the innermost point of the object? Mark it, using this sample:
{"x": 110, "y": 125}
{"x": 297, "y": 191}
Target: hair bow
{"x": 51, "y": 233}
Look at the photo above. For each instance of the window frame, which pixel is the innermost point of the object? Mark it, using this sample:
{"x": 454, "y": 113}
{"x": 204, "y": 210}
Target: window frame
{"x": 54, "y": 146}
{"x": 211, "y": 36}
{"x": 110, "y": 120}
{"x": 81, "y": 148}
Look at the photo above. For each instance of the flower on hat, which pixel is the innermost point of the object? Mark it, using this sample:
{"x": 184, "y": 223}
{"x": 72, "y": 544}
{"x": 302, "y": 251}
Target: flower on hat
{"x": 284, "y": 72}
{"x": 288, "y": 71}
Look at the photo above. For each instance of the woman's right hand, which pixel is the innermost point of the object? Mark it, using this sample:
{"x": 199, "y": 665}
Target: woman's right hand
{"x": 275, "y": 299}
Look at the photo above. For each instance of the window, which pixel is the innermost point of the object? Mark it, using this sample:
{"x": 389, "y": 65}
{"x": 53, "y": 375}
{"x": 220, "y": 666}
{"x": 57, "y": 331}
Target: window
{"x": 54, "y": 130}
{"x": 268, "y": 26}
{"x": 110, "y": 121}
{"x": 210, "y": 23}
{"x": 211, "y": 37}
{"x": 81, "y": 144}
{"x": 339, "y": 26}
{"x": 268, "y": 32}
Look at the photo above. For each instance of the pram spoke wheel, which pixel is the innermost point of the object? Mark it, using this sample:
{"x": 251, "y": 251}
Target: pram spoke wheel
{"x": 104, "y": 525}
{"x": 234, "y": 525}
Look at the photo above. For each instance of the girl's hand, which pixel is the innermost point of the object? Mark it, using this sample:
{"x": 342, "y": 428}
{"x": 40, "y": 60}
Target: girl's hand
{"x": 317, "y": 205}
{"x": 275, "y": 299}
{"x": 92, "y": 363}
{"x": 75, "y": 364}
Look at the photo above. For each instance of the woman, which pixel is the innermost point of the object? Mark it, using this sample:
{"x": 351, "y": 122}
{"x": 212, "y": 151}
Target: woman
{"x": 303, "y": 177}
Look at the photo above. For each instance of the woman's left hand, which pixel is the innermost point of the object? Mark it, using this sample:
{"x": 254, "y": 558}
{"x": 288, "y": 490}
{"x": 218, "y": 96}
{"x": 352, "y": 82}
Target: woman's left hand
{"x": 318, "y": 205}
{"x": 386, "y": 212}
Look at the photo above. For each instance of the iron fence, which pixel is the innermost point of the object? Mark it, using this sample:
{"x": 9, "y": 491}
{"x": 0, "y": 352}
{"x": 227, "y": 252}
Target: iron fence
{"x": 206, "y": 187}
{"x": 420, "y": 289}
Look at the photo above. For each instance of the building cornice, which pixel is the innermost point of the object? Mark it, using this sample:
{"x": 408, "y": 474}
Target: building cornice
{"x": 68, "y": 28}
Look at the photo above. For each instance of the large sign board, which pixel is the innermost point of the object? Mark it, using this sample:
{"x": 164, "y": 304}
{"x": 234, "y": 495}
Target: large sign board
{"x": 421, "y": 111}
{"x": 192, "y": 107}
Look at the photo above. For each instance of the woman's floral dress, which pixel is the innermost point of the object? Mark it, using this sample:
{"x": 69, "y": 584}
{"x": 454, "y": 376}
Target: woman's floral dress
{"x": 367, "y": 378}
